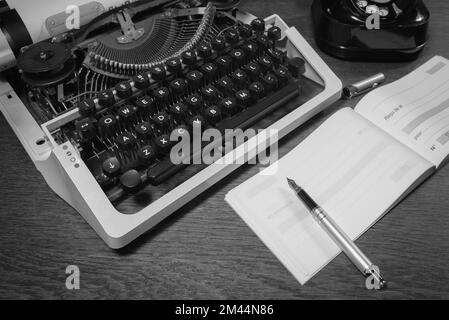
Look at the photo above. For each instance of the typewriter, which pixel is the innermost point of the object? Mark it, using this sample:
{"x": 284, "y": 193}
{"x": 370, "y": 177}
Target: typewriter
{"x": 95, "y": 104}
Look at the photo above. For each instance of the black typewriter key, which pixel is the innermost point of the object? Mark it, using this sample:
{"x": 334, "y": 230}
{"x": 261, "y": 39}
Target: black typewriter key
{"x": 296, "y": 66}
{"x": 189, "y": 58}
{"x": 282, "y": 74}
{"x": 210, "y": 93}
{"x": 209, "y": 71}
{"x": 178, "y": 87}
{"x": 204, "y": 50}
{"x": 266, "y": 63}
{"x": 243, "y": 98}
{"x": 161, "y": 95}
{"x": 141, "y": 81}
{"x": 107, "y": 125}
{"x": 224, "y": 64}
{"x": 270, "y": 82}
{"x": 163, "y": 144}
{"x": 218, "y": 43}
{"x": 245, "y": 31}
{"x": 238, "y": 57}
{"x": 126, "y": 114}
{"x": 253, "y": 70}
{"x": 224, "y": 84}
{"x": 106, "y": 98}
{"x": 161, "y": 120}
{"x": 195, "y": 79}
{"x": 174, "y": 65}
{"x": 239, "y": 78}
{"x": 124, "y": 90}
{"x": 258, "y": 25}
{"x": 257, "y": 90}
{"x": 144, "y": 103}
{"x": 125, "y": 141}
{"x": 276, "y": 55}
{"x": 87, "y": 108}
{"x": 130, "y": 180}
{"x": 111, "y": 167}
{"x": 232, "y": 36}
{"x": 274, "y": 33}
{"x": 86, "y": 129}
{"x": 229, "y": 106}
{"x": 195, "y": 102}
{"x": 251, "y": 49}
{"x": 198, "y": 122}
{"x": 181, "y": 133}
{"x": 212, "y": 114}
{"x": 146, "y": 155}
{"x": 158, "y": 73}
{"x": 179, "y": 111}
{"x": 143, "y": 130}
{"x": 263, "y": 42}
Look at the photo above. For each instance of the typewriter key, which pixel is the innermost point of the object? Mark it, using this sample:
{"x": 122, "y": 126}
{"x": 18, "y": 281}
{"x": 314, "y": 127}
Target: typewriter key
{"x": 143, "y": 130}
{"x": 111, "y": 167}
{"x": 213, "y": 114}
{"x": 146, "y": 155}
{"x": 158, "y": 73}
{"x": 274, "y": 33}
{"x": 232, "y": 36}
{"x": 107, "y": 125}
{"x": 87, "y": 108}
{"x": 258, "y": 25}
{"x": 106, "y": 98}
{"x": 130, "y": 180}
{"x": 218, "y": 43}
{"x": 124, "y": 90}
{"x": 141, "y": 81}
{"x": 125, "y": 141}
{"x": 245, "y": 31}
{"x": 163, "y": 144}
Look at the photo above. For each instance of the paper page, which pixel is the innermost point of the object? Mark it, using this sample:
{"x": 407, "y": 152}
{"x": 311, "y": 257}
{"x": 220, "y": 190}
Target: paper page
{"x": 415, "y": 109}
{"x": 350, "y": 167}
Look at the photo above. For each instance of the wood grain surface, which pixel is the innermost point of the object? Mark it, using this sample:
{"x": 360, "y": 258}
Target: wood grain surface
{"x": 205, "y": 251}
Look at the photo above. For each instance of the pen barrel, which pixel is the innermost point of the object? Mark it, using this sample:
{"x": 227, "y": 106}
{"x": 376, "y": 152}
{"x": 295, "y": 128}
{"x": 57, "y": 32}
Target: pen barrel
{"x": 345, "y": 243}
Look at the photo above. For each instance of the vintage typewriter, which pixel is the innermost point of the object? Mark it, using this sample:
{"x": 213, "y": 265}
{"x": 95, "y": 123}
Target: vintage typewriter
{"x": 95, "y": 106}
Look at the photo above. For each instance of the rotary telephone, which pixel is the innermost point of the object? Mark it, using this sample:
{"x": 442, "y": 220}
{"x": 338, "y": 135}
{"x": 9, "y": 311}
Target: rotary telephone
{"x": 371, "y": 30}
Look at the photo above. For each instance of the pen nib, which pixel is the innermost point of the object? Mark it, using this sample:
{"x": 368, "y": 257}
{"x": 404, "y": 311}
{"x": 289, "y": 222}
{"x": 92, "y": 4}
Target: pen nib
{"x": 292, "y": 184}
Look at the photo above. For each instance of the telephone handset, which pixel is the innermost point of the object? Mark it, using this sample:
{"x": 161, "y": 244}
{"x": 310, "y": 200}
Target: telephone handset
{"x": 371, "y": 30}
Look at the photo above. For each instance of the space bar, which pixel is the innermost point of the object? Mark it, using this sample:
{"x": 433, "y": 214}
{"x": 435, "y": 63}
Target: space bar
{"x": 166, "y": 169}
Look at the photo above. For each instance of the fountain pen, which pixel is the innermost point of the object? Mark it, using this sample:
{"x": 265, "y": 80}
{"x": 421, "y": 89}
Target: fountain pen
{"x": 357, "y": 257}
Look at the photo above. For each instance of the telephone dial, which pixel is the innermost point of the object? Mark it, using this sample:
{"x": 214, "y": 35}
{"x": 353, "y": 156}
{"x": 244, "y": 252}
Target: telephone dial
{"x": 371, "y": 30}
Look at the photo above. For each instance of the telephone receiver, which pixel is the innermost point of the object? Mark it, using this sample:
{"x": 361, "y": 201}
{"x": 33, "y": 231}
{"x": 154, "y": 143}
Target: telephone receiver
{"x": 371, "y": 30}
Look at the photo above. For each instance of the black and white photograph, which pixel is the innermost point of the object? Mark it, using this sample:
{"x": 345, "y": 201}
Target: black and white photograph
{"x": 228, "y": 157}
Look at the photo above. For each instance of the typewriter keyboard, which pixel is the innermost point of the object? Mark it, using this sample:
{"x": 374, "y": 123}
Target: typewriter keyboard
{"x": 231, "y": 81}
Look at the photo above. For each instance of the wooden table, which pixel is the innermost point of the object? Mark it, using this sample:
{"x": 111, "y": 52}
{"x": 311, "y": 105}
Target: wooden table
{"x": 205, "y": 250}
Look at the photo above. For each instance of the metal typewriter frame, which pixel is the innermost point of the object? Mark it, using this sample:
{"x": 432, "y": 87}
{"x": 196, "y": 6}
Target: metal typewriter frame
{"x": 66, "y": 173}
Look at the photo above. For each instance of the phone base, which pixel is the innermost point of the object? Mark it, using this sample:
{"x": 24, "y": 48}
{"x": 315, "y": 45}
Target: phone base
{"x": 342, "y": 33}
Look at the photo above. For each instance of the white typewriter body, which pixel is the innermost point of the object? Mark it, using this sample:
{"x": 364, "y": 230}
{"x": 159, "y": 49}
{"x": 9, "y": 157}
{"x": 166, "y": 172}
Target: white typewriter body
{"x": 67, "y": 174}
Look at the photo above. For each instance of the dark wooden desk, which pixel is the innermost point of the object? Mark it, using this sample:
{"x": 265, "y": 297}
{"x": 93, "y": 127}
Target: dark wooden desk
{"x": 205, "y": 250}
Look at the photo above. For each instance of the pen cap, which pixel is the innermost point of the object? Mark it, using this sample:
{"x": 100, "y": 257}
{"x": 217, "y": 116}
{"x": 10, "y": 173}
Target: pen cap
{"x": 363, "y": 86}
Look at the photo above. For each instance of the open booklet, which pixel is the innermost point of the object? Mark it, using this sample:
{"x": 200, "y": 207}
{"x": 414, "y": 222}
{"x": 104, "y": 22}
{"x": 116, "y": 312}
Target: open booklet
{"x": 357, "y": 165}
